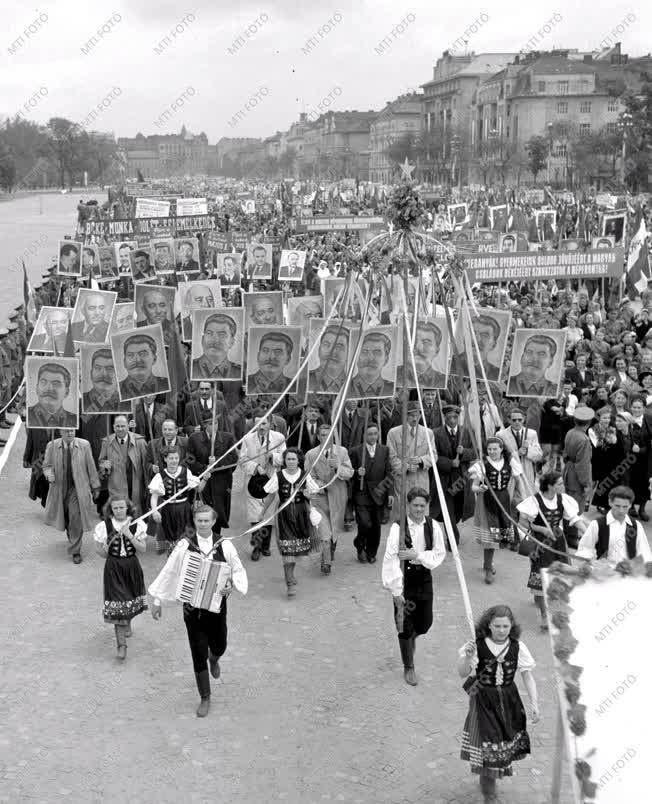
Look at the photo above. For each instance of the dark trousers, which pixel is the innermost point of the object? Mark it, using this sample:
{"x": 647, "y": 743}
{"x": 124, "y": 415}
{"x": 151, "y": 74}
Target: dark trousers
{"x": 455, "y": 506}
{"x": 262, "y": 538}
{"x": 417, "y": 617}
{"x": 72, "y": 521}
{"x": 368, "y": 518}
{"x": 206, "y": 631}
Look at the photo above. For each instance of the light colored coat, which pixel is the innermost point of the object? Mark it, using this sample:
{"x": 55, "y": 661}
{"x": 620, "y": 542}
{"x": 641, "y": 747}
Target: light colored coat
{"x": 331, "y": 503}
{"x": 519, "y": 491}
{"x": 84, "y": 475}
{"x": 136, "y": 453}
{"x": 252, "y": 456}
{"x": 416, "y": 448}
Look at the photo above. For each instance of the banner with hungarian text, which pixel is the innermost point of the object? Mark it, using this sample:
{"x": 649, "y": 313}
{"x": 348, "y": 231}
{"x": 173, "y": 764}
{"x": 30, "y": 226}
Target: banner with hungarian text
{"x": 133, "y": 226}
{"x": 595, "y": 263}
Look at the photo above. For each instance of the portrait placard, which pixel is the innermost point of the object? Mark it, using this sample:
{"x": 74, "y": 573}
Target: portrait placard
{"x": 51, "y": 330}
{"x": 108, "y": 266}
{"x": 142, "y": 268}
{"x": 186, "y": 251}
{"x": 229, "y": 268}
{"x": 264, "y": 308}
{"x": 218, "y": 344}
{"x": 328, "y": 364}
{"x": 273, "y": 355}
{"x": 302, "y": 309}
{"x": 161, "y": 252}
{"x": 99, "y": 386}
{"x": 92, "y": 315}
{"x": 196, "y": 295}
{"x": 259, "y": 261}
{"x": 52, "y": 392}
{"x": 90, "y": 261}
{"x": 123, "y": 318}
{"x": 537, "y": 363}
{"x": 374, "y": 375}
{"x": 140, "y": 362}
{"x": 69, "y": 263}
{"x": 491, "y": 328}
{"x": 291, "y": 266}
{"x": 123, "y": 250}
{"x": 431, "y": 354}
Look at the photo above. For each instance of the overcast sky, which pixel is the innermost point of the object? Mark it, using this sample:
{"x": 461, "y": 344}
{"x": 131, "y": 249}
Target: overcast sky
{"x": 51, "y": 68}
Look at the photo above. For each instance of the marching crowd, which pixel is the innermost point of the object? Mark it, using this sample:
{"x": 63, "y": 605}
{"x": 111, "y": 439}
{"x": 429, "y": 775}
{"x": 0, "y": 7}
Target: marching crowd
{"x": 542, "y": 464}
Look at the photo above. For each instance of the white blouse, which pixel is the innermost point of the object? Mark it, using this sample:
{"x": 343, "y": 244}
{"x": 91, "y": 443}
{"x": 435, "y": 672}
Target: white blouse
{"x": 525, "y": 660}
{"x": 271, "y": 487}
{"x": 101, "y": 538}
{"x": 530, "y": 508}
{"x": 157, "y": 486}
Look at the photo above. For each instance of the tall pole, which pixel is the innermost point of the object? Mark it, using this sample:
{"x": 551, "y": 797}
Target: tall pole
{"x": 402, "y": 518}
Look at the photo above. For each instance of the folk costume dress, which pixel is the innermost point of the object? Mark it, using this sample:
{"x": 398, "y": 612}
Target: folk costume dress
{"x": 495, "y": 733}
{"x": 492, "y": 525}
{"x": 292, "y": 523}
{"x": 561, "y": 507}
{"x": 176, "y": 516}
{"x": 125, "y": 595}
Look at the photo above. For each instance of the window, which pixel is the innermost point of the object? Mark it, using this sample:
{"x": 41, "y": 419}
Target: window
{"x": 560, "y": 150}
{"x": 541, "y": 86}
{"x": 562, "y": 87}
{"x": 585, "y": 129}
{"x": 611, "y": 128}
{"x": 562, "y": 107}
{"x": 612, "y": 106}
{"x": 585, "y": 107}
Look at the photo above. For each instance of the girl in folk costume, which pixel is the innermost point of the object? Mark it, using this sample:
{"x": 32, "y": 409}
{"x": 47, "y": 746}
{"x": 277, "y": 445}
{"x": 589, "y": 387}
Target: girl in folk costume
{"x": 490, "y": 479}
{"x": 495, "y": 729}
{"x": 175, "y": 518}
{"x": 557, "y": 507}
{"x": 292, "y": 523}
{"x": 124, "y": 586}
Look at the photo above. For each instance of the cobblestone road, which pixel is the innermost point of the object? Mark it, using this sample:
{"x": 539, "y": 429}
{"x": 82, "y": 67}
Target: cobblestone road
{"x": 311, "y": 706}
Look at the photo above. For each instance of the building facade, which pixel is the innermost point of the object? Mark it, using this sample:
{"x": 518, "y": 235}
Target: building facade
{"x": 398, "y": 123}
{"x": 161, "y": 155}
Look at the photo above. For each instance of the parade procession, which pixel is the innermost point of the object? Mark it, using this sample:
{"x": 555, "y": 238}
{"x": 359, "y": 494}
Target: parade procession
{"x": 322, "y": 482}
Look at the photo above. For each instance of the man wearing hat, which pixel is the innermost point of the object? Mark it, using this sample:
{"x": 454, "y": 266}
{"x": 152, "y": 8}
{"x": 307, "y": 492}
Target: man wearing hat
{"x": 578, "y": 479}
{"x": 202, "y": 449}
{"x": 536, "y": 359}
{"x": 261, "y": 453}
{"x": 274, "y": 354}
{"x": 454, "y": 455}
{"x": 417, "y": 453}
{"x": 369, "y": 382}
{"x": 523, "y": 444}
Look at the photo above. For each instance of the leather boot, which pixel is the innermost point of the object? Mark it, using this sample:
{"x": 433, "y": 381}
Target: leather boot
{"x": 121, "y": 640}
{"x": 204, "y": 687}
{"x": 214, "y": 664}
{"x": 290, "y": 581}
{"x": 407, "y": 655}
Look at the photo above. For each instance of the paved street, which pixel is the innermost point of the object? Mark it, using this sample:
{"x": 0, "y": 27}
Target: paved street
{"x": 311, "y": 706}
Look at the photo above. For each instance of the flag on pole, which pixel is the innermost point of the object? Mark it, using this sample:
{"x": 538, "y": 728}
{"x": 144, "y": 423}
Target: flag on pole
{"x": 637, "y": 259}
{"x": 28, "y": 297}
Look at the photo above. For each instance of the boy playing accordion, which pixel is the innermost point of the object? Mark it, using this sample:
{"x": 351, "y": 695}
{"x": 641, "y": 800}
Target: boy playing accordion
{"x": 206, "y": 628}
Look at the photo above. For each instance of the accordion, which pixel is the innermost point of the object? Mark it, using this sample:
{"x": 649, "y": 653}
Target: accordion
{"x": 202, "y": 582}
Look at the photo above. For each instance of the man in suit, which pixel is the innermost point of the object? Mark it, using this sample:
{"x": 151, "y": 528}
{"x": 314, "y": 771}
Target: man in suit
{"x": 139, "y": 355}
{"x": 523, "y": 444}
{"x": 333, "y": 354}
{"x": 52, "y": 389}
{"x": 454, "y": 455}
{"x": 203, "y": 448}
{"x": 154, "y": 462}
{"x": 373, "y": 357}
{"x": 148, "y": 418}
{"x": 230, "y": 275}
{"x": 261, "y": 453}
{"x": 217, "y": 340}
{"x": 69, "y": 468}
{"x": 328, "y": 496}
{"x": 292, "y": 270}
{"x": 142, "y": 269}
{"x": 122, "y": 463}
{"x": 305, "y": 434}
{"x": 55, "y": 325}
{"x": 185, "y": 259}
{"x": 260, "y": 269}
{"x": 103, "y": 396}
{"x": 418, "y": 459}
{"x": 155, "y": 307}
{"x": 201, "y": 406}
{"x": 427, "y": 343}
{"x": 352, "y": 424}
{"x": 537, "y": 357}
{"x": 373, "y": 486}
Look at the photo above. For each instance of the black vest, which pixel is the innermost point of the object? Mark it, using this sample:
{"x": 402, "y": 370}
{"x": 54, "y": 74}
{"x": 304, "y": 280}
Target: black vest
{"x": 418, "y": 579}
{"x": 217, "y": 554}
{"x": 602, "y": 546}
{"x": 114, "y": 539}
